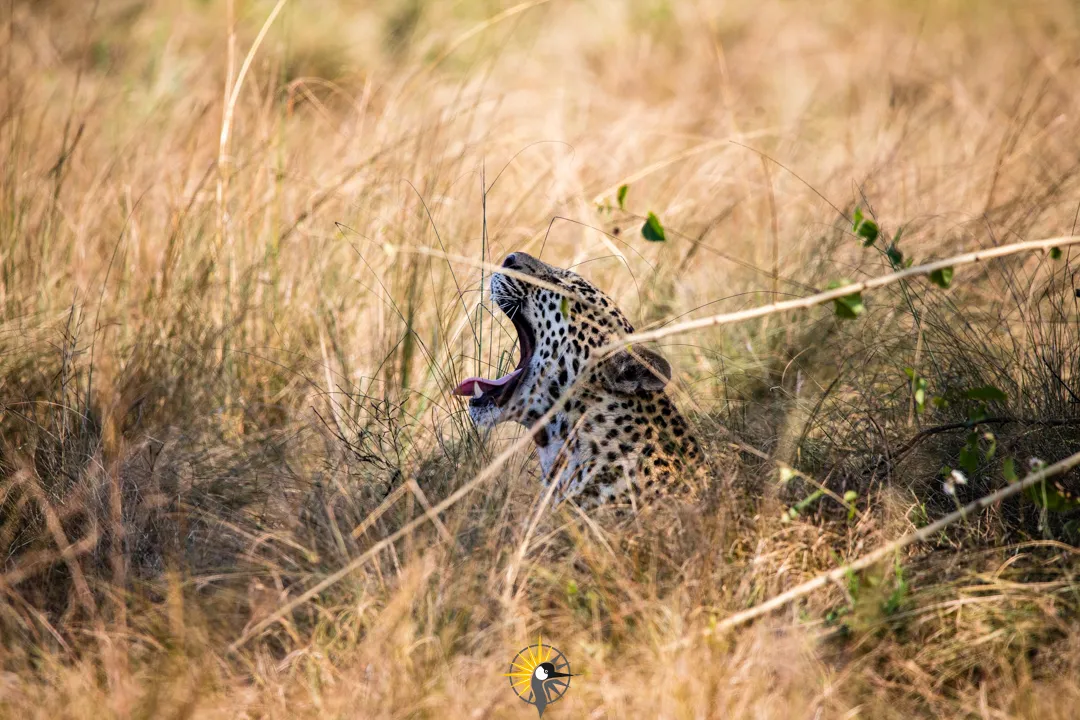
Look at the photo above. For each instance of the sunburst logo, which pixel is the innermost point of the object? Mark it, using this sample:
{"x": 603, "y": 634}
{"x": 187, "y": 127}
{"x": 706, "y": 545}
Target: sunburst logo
{"x": 539, "y": 675}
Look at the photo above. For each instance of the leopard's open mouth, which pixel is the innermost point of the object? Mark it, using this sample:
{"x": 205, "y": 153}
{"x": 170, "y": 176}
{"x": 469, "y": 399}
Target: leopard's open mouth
{"x": 483, "y": 391}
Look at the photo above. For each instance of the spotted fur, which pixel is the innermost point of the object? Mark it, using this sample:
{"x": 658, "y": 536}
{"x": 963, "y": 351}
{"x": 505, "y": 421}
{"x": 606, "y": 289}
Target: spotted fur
{"x": 619, "y": 439}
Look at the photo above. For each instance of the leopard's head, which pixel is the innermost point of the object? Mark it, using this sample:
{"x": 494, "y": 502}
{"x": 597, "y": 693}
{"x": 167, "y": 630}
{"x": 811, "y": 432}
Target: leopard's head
{"x": 561, "y": 320}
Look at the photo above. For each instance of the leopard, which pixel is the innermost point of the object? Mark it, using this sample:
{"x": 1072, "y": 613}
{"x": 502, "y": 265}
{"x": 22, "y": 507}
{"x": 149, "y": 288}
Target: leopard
{"x": 606, "y": 430}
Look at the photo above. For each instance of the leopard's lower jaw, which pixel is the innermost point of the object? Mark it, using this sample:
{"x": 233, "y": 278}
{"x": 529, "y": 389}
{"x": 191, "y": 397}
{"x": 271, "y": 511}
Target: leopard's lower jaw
{"x": 485, "y": 415}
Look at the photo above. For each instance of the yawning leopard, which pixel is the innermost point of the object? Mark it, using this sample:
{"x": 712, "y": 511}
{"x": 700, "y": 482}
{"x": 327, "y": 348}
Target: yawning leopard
{"x": 618, "y": 438}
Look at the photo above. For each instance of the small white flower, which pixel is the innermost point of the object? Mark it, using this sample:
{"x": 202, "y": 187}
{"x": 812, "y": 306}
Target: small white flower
{"x": 955, "y": 478}
{"x": 1035, "y": 463}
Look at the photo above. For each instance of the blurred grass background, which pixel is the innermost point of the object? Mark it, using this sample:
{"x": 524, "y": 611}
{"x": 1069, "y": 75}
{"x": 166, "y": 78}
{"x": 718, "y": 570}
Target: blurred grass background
{"x": 225, "y": 357}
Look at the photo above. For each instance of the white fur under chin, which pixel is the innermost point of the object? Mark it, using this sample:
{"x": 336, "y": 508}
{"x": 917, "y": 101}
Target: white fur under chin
{"x": 485, "y": 416}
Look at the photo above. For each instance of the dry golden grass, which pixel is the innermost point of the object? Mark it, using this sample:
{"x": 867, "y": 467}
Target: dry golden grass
{"x": 223, "y": 353}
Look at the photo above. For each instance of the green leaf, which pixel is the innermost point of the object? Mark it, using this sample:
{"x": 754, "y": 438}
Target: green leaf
{"x": 942, "y": 278}
{"x": 868, "y": 231}
{"x": 652, "y": 230}
{"x": 847, "y": 307}
{"x": 865, "y": 228}
{"x": 991, "y": 446}
{"x": 918, "y": 386}
{"x": 1008, "y": 469}
{"x": 896, "y": 258}
{"x": 1055, "y": 253}
{"x": 986, "y": 393}
{"x": 564, "y": 306}
{"x": 620, "y": 196}
{"x": 969, "y": 459}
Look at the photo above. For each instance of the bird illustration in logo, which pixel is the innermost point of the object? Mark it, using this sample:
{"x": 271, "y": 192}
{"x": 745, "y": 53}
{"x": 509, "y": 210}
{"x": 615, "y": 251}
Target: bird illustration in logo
{"x": 539, "y": 675}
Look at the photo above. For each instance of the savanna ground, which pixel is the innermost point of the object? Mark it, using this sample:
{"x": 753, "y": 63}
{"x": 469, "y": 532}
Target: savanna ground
{"x": 226, "y": 356}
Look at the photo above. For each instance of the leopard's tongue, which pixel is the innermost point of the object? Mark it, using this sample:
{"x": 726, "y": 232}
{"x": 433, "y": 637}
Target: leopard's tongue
{"x": 471, "y": 386}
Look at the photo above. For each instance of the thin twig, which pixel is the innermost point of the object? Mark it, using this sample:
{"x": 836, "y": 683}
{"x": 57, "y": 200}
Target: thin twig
{"x": 1057, "y": 376}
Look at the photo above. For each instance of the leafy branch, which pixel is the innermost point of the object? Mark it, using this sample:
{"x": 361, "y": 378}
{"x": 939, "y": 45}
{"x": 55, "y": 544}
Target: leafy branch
{"x": 1039, "y": 475}
{"x": 840, "y": 292}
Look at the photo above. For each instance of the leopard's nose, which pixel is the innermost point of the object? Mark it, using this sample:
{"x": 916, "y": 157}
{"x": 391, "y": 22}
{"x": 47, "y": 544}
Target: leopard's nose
{"x": 513, "y": 261}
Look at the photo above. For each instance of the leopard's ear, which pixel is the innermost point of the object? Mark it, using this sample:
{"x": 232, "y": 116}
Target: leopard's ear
{"x": 635, "y": 370}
